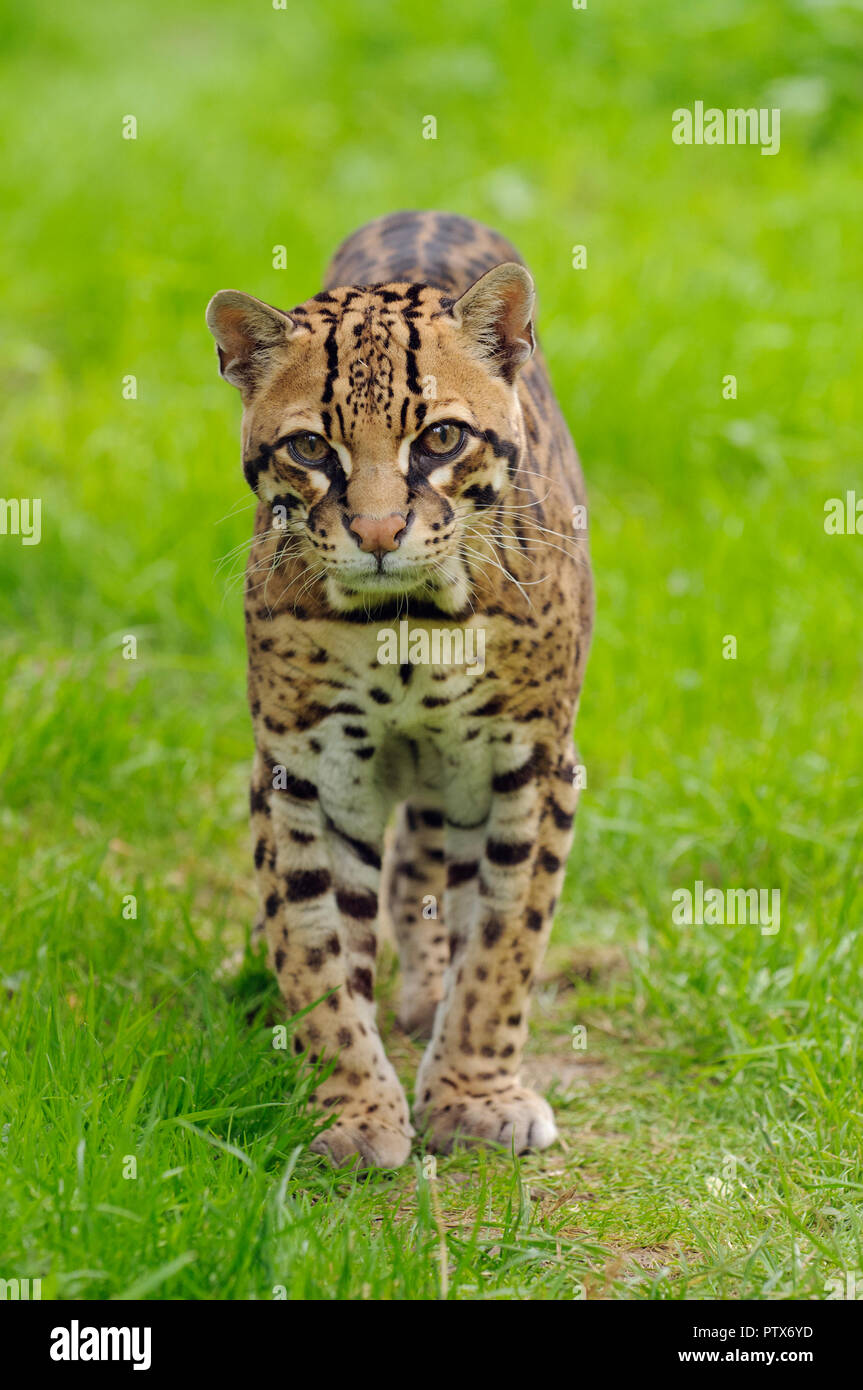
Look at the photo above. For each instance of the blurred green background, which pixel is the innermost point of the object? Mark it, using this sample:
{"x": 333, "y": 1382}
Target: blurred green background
{"x": 258, "y": 128}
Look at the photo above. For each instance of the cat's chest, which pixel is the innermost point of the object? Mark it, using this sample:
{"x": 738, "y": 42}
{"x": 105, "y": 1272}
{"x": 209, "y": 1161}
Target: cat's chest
{"x": 410, "y": 676}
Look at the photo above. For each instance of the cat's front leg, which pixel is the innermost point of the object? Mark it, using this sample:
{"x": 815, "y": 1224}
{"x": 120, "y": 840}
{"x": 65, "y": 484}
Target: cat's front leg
{"x": 319, "y": 902}
{"x": 468, "y": 1085}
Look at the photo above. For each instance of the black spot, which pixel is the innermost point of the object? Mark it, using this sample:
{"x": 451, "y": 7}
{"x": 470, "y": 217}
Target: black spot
{"x": 519, "y": 776}
{"x": 363, "y": 906}
{"x": 306, "y": 883}
{"x": 361, "y": 982}
{"x": 491, "y": 932}
{"x": 503, "y": 852}
{"x": 461, "y": 873}
{"x": 492, "y": 706}
{"x": 562, "y": 819}
{"x": 298, "y": 787}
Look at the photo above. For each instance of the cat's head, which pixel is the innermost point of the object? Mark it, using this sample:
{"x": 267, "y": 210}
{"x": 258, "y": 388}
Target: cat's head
{"x": 379, "y": 421}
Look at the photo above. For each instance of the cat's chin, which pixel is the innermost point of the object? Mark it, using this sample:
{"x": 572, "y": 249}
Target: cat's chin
{"x": 407, "y": 579}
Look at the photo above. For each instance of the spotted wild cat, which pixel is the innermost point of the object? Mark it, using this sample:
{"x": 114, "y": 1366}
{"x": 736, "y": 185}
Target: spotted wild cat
{"x": 412, "y": 466}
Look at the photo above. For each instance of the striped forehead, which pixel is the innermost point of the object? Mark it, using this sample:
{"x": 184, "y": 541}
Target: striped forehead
{"x": 370, "y": 339}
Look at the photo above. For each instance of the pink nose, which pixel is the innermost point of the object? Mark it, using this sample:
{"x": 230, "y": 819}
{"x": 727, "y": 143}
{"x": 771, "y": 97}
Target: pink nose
{"x": 379, "y": 533}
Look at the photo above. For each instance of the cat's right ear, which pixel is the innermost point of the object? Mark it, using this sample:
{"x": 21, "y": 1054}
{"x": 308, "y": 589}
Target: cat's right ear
{"x": 246, "y": 332}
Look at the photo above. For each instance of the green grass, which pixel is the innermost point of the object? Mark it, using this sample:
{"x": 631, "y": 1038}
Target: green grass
{"x": 712, "y": 1127}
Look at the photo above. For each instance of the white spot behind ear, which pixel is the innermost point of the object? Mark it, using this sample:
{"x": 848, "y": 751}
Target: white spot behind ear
{"x": 246, "y": 331}
{"x": 496, "y": 313}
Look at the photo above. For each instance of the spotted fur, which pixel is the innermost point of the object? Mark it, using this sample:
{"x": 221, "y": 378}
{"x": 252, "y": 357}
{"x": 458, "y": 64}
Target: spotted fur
{"x": 424, "y": 318}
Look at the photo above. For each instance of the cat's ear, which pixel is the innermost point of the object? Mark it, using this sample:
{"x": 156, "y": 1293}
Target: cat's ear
{"x": 246, "y": 332}
{"x": 496, "y": 313}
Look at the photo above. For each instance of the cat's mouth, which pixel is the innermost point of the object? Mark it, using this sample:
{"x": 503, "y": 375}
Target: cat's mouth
{"x": 383, "y": 578}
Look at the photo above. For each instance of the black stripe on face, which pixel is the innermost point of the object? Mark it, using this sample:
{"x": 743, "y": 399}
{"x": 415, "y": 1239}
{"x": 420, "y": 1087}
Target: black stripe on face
{"x": 413, "y": 381}
{"x": 306, "y": 884}
{"x": 411, "y": 314}
{"x": 331, "y": 348}
{"x": 503, "y": 449}
{"x": 288, "y": 501}
{"x": 253, "y": 467}
{"x": 482, "y": 495}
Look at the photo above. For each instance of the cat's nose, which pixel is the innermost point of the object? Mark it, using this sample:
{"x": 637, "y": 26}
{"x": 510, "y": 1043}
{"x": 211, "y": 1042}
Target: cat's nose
{"x": 378, "y": 533}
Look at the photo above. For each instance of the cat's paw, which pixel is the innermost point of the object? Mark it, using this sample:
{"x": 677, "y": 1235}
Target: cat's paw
{"x": 362, "y": 1141}
{"x": 510, "y": 1115}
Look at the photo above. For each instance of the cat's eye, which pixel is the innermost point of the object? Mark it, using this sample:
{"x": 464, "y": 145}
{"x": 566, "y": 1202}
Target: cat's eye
{"x": 442, "y": 441}
{"x": 307, "y": 447}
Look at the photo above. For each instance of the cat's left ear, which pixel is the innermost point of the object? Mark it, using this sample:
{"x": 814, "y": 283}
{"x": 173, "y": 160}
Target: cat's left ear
{"x": 496, "y": 314}
{"x": 247, "y": 332}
